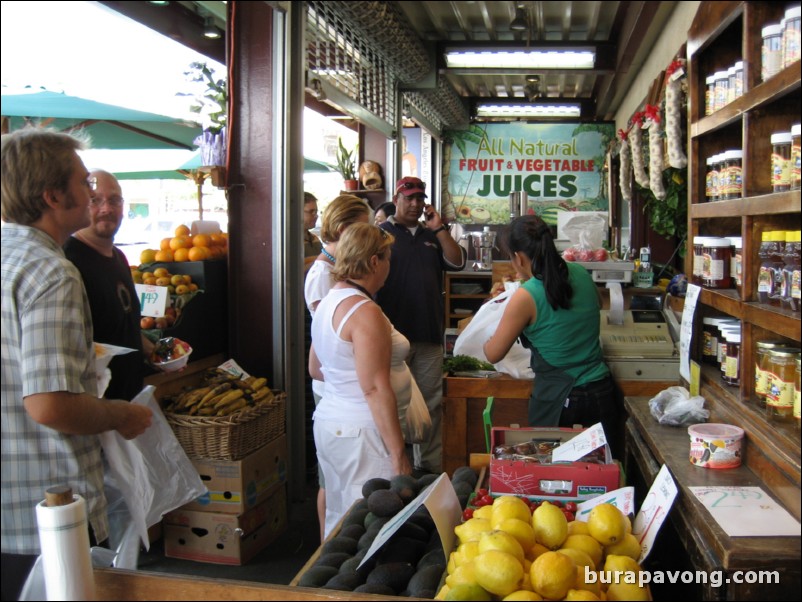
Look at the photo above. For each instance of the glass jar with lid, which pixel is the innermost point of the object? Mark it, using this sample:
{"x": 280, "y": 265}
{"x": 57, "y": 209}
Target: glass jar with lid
{"x": 725, "y": 327}
{"x": 739, "y": 79}
{"x": 710, "y": 94}
{"x": 797, "y": 400}
{"x": 732, "y": 358}
{"x": 780, "y": 396}
{"x": 731, "y": 182}
{"x": 771, "y": 51}
{"x": 781, "y": 161}
{"x": 762, "y": 349}
{"x": 698, "y": 259}
{"x": 716, "y": 256}
{"x": 791, "y": 36}
{"x": 736, "y": 263}
{"x": 722, "y": 83}
{"x": 796, "y": 156}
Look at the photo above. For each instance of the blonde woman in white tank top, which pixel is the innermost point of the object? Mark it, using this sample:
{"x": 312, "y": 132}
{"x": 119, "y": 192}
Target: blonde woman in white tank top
{"x": 358, "y": 434}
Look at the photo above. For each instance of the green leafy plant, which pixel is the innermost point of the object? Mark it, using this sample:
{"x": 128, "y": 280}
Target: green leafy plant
{"x": 465, "y": 363}
{"x": 346, "y": 163}
{"x": 212, "y": 103}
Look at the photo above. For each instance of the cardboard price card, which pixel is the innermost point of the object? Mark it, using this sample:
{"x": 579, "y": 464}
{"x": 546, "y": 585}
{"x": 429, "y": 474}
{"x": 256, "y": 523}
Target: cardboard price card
{"x": 153, "y": 299}
{"x": 654, "y": 511}
{"x": 441, "y": 501}
{"x": 581, "y": 445}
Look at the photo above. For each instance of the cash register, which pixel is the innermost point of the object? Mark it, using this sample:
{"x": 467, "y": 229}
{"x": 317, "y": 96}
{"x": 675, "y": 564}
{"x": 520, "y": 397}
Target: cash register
{"x": 639, "y": 343}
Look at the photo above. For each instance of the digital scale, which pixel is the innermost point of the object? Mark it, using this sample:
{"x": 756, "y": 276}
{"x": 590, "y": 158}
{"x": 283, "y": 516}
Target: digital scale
{"x": 609, "y": 271}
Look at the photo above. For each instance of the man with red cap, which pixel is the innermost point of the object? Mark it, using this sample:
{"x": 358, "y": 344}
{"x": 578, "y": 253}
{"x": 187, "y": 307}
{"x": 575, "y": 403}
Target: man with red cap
{"x": 412, "y": 298}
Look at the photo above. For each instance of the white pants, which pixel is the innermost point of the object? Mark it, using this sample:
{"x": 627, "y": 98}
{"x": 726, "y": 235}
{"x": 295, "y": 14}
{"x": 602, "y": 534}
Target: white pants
{"x": 348, "y": 455}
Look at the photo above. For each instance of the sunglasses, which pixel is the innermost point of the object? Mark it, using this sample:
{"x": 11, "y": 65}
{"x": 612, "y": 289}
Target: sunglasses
{"x": 411, "y": 185}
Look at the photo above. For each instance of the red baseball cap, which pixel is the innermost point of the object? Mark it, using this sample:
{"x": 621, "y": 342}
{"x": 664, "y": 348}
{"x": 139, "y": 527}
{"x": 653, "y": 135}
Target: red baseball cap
{"x": 409, "y": 186}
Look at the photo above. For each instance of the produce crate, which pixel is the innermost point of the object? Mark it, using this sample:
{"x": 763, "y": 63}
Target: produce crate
{"x": 233, "y": 436}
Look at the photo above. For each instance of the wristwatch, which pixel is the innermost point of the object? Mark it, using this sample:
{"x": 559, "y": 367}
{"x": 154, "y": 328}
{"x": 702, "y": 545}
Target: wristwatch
{"x": 439, "y": 230}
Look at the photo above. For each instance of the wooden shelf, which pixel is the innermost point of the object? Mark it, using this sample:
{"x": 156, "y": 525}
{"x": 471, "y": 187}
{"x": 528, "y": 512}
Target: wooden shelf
{"x": 722, "y": 33}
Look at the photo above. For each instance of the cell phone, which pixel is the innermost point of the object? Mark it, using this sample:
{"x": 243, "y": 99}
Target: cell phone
{"x": 428, "y": 212}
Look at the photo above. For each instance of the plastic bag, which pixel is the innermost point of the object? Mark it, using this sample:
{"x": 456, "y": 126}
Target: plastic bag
{"x": 418, "y": 419}
{"x": 675, "y": 406}
{"x": 152, "y": 470}
{"x": 483, "y": 325}
{"x": 587, "y": 234}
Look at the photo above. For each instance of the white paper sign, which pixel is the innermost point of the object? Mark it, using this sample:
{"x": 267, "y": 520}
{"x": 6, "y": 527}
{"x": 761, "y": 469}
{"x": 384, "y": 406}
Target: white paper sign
{"x": 654, "y": 511}
{"x": 581, "y": 445}
{"x": 153, "y": 299}
{"x": 234, "y": 369}
{"x": 623, "y": 499}
{"x": 686, "y": 331}
{"x": 441, "y": 500}
{"x": 747, "y": 511}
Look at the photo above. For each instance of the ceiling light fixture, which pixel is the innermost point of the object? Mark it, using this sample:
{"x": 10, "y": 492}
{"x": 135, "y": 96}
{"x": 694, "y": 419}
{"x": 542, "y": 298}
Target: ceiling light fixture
{"x": 523, "y": 58}
{"x": 512, "y": 111}
{"x": 520, "y": 22}
{"x": 210, "y": 30}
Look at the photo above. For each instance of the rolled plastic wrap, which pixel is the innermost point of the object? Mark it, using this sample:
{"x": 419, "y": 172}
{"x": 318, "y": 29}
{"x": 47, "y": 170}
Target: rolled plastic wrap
{"x": 64, "y": 536}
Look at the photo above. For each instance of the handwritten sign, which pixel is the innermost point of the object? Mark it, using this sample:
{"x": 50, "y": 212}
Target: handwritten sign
{"x": 654, "y": 511}
{"x": 153, "y": 299}
{"x": 746, "y": 511}
{"x": 623, "y": 499}
{"x": 443, "y": 505}
{"x": 581, "y": 445}
{"x": 686, "y": 330}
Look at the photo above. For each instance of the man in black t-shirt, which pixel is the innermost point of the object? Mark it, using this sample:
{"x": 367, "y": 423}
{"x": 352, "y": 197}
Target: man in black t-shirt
{"x": 110, "y": 287}
{"x": 412, "y": 298}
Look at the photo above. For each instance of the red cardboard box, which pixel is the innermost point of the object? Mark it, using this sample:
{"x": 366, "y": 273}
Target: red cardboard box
{"x": 225, "y": 538}
{"x": 565, "y": 481}
{"x": 238, "y": 485}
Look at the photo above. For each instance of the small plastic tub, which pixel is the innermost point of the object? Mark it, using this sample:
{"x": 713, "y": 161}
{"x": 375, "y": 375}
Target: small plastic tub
{"x": 715, "y": 445}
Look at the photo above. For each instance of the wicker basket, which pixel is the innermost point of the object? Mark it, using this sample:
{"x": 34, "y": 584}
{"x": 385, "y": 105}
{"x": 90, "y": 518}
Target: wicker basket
{"x": 230, "y": 437}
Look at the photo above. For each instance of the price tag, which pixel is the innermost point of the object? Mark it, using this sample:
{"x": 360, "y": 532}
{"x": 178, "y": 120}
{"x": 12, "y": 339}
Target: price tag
{"x": 153, "y": 299}
{"x": 581, "y": 445}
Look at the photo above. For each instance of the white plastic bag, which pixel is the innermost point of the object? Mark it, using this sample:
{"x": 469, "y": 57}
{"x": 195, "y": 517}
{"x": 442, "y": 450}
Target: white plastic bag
{"x": 152, "y": 470}
{"x": 418, "y": 419}
{"x": 470, "y": 341}
{"x": 675, "y": 406}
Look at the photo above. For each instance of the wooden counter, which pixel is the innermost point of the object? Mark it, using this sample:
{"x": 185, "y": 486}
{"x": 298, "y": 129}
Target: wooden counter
{"x": 702, "y": 543}
{"x": 464, "y": 400}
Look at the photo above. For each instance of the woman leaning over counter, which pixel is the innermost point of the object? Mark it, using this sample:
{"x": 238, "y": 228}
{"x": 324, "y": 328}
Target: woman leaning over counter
{"x": 557, "y": 310}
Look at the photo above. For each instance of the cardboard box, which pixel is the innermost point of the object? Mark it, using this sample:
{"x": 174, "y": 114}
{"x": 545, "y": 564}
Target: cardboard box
{"x": 570, "y": 481}
{"x": 225, "y": 538}
{"x": 238, "y": 485}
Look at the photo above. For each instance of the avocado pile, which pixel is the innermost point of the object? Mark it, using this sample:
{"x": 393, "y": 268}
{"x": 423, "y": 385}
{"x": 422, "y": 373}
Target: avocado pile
{"x": 411, "y": 563}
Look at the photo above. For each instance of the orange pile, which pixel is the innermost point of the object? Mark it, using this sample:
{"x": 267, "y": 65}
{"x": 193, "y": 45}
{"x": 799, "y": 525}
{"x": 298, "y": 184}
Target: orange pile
{"x": 185, "y": 247}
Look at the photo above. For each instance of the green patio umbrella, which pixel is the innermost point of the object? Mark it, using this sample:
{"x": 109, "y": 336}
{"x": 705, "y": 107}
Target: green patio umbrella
{"x": 109, "y": 126}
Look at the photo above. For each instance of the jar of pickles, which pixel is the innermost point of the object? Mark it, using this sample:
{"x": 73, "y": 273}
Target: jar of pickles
{"x": 780, "y": 396}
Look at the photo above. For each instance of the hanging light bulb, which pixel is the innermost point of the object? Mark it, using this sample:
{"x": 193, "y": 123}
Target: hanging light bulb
{"x": 210, "y": 30}
{"x": 519, "y": 23}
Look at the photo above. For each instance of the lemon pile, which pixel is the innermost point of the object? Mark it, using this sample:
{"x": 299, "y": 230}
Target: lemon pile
{"x": 507, "y": 553}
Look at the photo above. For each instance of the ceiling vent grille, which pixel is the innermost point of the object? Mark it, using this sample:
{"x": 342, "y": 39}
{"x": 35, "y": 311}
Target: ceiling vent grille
{"x": 339, "y": 55}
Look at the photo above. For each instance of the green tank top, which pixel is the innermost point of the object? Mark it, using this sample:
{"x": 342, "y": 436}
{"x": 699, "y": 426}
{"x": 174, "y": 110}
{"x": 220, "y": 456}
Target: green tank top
{"x": 569, "y": 337}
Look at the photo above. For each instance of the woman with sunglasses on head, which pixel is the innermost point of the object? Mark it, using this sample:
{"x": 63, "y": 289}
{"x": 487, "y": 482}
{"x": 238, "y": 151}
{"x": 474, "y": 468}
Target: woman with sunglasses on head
{"x": 341, "y": 212}
{"x": 557, "y": 312}
{"x": 360, "y": 357}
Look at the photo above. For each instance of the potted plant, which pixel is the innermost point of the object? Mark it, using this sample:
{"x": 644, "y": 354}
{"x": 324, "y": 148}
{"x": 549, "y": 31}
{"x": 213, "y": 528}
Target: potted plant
{"x": 346, "y": 165}
{"x": 212, "y": 106}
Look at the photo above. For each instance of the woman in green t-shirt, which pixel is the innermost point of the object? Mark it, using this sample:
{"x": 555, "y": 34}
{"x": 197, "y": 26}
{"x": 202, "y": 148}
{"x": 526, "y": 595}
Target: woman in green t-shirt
{"x": 556, "y": 313}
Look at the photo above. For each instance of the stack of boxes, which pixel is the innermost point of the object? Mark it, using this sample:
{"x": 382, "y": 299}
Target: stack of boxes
{"x": 244, "y": 510}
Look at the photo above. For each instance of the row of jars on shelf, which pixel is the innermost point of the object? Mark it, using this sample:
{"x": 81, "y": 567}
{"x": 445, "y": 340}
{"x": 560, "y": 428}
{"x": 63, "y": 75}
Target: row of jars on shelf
{"x": 724, "y": 174}
{"x": 777, "y": 384}
{"x": 780, "y": 48}
{"x": 718, "y": 263}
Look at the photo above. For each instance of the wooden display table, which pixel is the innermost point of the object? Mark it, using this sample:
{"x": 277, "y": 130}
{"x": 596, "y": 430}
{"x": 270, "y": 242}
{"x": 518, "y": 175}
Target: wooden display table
{"x": 464, "y": 400}
{"x": 692, "y": 538}
{"x": 120, "y": 584}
